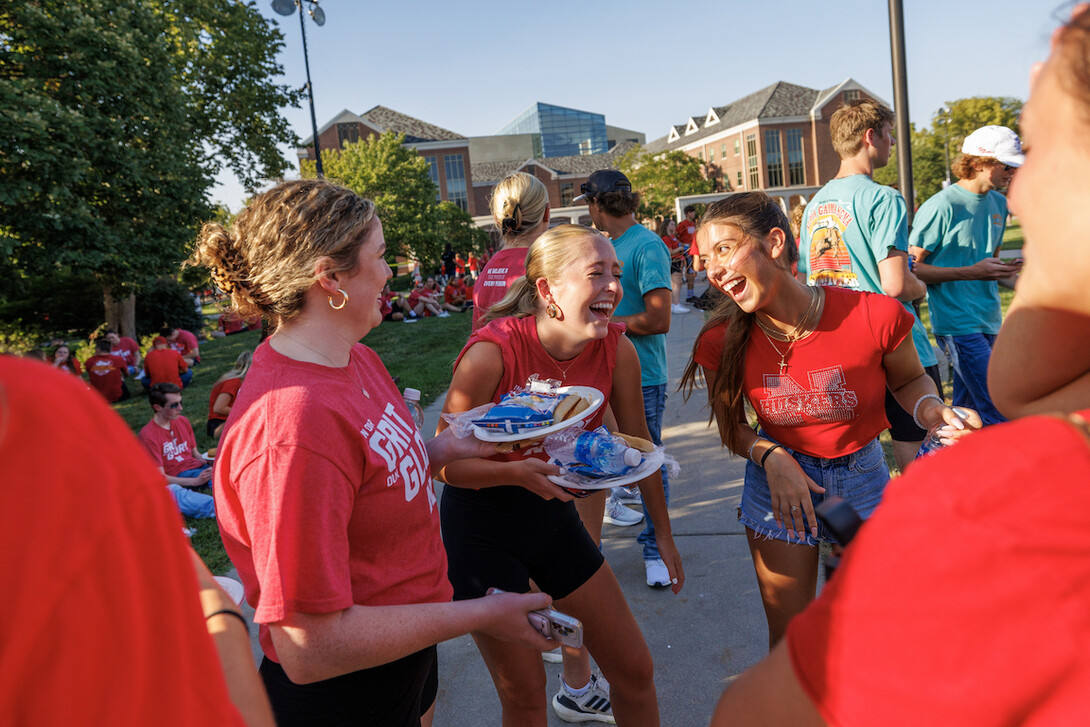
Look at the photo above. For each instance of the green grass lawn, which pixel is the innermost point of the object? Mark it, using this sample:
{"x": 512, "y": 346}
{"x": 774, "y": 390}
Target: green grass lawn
{"x": 419, "y": 355}
{"x": 1013, "y": 238}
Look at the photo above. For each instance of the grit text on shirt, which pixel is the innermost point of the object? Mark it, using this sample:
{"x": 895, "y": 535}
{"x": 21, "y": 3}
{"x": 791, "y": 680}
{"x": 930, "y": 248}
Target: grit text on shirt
{"x": 785, "y": 402}
{"x": 401, "y": 447}
{"x": 175, "y": 450}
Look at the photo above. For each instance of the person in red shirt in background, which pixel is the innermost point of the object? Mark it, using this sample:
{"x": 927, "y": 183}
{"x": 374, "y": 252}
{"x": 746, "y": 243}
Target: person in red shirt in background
{"x": 224, "y": 392}
{"x": 678, "y": 263}
{"x": 455, "y": 292}
{"x": 686, "y": 235}
{"x": 115, "y": 620}
{"x": 473, "y": 264}
{"x": 126, "y": 349}
{"x": 459, "y": 264}
{"x": 63, "y": 359}
{"x": 164, "y": 365}
{"x": 168, "y": 437}
{"x": 184, "y": 343}
{"x": 106, "y": 373}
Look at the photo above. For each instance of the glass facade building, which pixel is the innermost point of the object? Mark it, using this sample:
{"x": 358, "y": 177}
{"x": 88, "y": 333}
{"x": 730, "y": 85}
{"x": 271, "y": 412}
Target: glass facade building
{"x": 561, "y": 132}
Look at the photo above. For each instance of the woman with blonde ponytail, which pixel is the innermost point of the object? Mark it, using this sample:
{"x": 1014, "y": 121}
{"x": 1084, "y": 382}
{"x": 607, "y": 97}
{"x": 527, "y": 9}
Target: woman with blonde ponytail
{"x": 323, "y": 486}
{"x": 506, "y": 524}
{"x": 520, "y": 208}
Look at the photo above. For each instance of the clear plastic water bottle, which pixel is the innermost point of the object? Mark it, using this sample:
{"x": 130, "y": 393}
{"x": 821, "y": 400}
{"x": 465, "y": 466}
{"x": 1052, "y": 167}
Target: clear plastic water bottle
{"x": 412, "y": 400}
{"x": 933, "y": 441}
{"x": 601, "y": 451}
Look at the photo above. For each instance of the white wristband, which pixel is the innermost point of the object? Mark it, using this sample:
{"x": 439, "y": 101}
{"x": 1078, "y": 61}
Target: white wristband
{"x": 749, "y": 454}
{"x": 916, "y": 409}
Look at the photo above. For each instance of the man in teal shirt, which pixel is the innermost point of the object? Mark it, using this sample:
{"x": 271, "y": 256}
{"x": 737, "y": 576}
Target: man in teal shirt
{"x": 855, "y": 235}
{"x": 958, "y": 232}
{"x": 644, "y": 309}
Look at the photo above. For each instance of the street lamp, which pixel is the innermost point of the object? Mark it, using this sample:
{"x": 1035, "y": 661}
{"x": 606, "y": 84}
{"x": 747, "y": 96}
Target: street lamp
{"x": 945, "y": 111}
{"x": 287, "y": 7}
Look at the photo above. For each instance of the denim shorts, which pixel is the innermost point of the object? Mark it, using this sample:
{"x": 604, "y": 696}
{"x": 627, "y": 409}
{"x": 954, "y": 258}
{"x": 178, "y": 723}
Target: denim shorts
{"x": 859, "y": 478}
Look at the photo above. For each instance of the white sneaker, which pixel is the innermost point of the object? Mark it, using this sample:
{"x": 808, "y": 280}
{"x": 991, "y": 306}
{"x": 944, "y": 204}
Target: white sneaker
{"x": 618, "y": 514}
{"x": 680, "y": 309}
{"x": 442, "y": 314}
{"x": 657, "y": 575}
{"x": 628, "y": 495}
{"x": 592, "y": 706}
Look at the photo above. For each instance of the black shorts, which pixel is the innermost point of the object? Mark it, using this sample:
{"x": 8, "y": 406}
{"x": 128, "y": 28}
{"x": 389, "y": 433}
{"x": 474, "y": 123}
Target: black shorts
{"x": 210, "y": 427}
{"x": 901, "y": 426}
{"x": 677, "y": 265}
{"x": 504, "y": 536}
{"x": 394, "y": 694}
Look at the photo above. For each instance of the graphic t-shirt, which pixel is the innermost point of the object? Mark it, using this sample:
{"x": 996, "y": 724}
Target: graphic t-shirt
{"x": 106, "y": 374}
{"x": 323, "y": 491}
{"x": 686, "y": 235}
{"x": 501, "y": 270}
{"x": 100, "y": 621}
{"x": 903, "y": 633}
{"x": 184, "y": 343}
{"x": 171, "y": 448}
{"x": 959, "y": 228}
{"x": 645, "y": 266}
{"x": 851, "y": 225}
{"x": 830, "y": 399}
{"x": 127, "y": 350}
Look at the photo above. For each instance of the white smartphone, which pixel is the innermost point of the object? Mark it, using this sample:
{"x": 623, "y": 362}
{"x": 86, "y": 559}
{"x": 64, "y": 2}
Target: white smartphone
{"x": 554, "y": 625}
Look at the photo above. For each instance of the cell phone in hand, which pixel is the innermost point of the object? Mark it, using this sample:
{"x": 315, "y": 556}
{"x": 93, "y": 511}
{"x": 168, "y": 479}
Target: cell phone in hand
{"x": 554, "y": 625}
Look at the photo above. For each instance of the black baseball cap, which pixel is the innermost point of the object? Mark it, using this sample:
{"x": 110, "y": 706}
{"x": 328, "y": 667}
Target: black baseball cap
{"x": 603, "y": 180}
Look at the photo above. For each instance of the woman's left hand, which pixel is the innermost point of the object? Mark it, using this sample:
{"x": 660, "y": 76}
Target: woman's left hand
{"x": 960, "y": 422}
{"x": 445, "y": 448}
{"x": 672, "y": 558}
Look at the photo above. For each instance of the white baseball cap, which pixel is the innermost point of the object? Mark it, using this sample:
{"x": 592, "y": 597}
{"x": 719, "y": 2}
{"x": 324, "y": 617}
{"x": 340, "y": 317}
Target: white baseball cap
{"x": 997, "y": 142}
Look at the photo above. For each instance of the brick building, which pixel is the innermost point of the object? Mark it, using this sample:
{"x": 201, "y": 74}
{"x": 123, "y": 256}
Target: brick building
{"x": 776, "y": 138}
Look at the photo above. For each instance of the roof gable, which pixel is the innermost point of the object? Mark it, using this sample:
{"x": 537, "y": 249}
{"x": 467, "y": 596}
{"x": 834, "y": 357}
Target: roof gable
{"x": 414, "y": 129}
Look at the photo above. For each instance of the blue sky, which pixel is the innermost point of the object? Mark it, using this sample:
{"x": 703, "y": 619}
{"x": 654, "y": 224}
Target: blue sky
{"x": 473, "y": 66}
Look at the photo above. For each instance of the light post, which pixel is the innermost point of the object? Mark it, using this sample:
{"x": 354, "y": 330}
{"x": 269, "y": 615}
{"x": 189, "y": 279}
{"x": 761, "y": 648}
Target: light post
{"x": 287, "y": 7}
{"x": 945, "y": 110}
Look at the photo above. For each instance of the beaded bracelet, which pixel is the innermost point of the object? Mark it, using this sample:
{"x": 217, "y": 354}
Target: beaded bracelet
{"x": 229, "y": 612}
{"x": 749, "y": 454}
{"x": 916, "y": 409}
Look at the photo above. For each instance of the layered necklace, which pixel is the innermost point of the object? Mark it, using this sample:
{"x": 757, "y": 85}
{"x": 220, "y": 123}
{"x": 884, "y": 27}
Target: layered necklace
{"x": 773, "y": 334}
{"x": 351, "y": 380}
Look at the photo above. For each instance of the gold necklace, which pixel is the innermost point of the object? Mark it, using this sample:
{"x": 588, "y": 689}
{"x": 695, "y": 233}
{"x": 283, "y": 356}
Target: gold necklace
{"x": 795, "y": 334}
{"x": 351, "y": 379}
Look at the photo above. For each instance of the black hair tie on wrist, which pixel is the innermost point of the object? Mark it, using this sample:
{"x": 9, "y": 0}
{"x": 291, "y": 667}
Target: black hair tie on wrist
{"x": 230, "y": 612}
{"x": 769, "y": 451}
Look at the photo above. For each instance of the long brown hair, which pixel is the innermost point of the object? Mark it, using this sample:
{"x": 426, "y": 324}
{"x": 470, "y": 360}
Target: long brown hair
{"x": 755, "y": 214}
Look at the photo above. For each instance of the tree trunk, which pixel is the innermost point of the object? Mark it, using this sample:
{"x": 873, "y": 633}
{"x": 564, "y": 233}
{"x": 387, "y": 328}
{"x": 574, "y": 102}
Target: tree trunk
{"x": 120, "y": 312}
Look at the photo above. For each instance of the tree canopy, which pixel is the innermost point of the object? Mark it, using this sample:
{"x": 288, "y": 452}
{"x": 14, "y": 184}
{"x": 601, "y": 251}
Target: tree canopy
{"x": 396, "y": 178}
{"x": 659, "y": 178}
{"x": 117, "y": 114}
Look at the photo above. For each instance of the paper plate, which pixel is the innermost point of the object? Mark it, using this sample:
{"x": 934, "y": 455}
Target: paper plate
{"x": 651, "y": 462}
{"x": 234, "y": 588}
{"x": 595, "y": 397}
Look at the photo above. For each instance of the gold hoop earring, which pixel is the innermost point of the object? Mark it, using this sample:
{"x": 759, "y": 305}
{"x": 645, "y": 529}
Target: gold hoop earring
{"x": 551, "y": 310}
{"x": 343, "y": 302}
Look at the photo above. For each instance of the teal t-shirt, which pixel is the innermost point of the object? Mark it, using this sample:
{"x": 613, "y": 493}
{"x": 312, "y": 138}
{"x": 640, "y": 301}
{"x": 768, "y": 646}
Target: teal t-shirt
{"x": 850, "y": 225}
{"x": 958, "y": 228}
{"x": 645, "y": 266}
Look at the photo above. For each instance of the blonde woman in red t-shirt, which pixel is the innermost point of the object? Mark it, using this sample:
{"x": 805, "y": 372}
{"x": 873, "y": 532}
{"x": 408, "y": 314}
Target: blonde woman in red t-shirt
{"x": 505, "y": 523}
{"x": 814, "y": 364}
{"x": 224, "y": 392}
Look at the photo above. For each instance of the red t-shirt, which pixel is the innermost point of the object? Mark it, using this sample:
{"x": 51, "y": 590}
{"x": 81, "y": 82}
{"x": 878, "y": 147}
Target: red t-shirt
{"x": 523, "y": 355}
{"x": 473, "y": 264}
{"x": 71, "y": 366}
{"x": 106, "y": 374}
{"x": 165, "y": 365}
{"x": 674, "y": 246}
{"x": 385, "y": 306}
{"x": 100, "y": 622}
{"x": 965, "y": 599}
{"x": 184, "y": 343}
{"x": 459, "y": 264}
{"x": 173, "y": 448}
{"x": 454, "y": 289}
{"x": 831, "y": 400}
{"x": 686, "y": 235}
{"x": 230, "y": 323}
{"x": 127, "y": 350}
{"x": 230, "y": 387}
{"x": 503, "y": 268}
{"x": 323, "y": 494}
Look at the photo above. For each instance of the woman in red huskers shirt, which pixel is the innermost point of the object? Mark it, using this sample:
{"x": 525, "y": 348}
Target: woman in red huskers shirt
{"x": 814, "y": 364}
{"x": 504, "y": 521}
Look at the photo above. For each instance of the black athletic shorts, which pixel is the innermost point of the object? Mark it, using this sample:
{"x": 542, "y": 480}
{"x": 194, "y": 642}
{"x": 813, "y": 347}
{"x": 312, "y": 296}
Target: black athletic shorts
{"x": 901, "y": 426}
{"x": 503, "y": 536}
{"x": 677, "y": 265}
{"x": 210, "y": 427}
{"x": 392, "y": 695}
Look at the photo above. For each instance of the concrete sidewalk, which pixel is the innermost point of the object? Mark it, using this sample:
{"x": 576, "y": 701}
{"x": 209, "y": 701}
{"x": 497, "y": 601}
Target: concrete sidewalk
{"x": 700, "y": 638}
